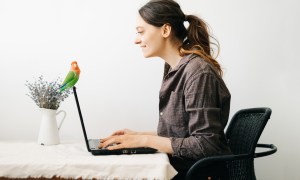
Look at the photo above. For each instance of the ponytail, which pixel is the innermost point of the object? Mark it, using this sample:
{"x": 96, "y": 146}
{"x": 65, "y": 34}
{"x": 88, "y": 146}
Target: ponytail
{"x": 198, "y": 41}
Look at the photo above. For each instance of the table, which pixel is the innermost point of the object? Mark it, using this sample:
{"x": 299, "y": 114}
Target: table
{"x": 73, "y": 161}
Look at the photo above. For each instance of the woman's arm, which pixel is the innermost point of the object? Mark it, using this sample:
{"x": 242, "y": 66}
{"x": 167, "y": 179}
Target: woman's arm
{"x": 128, "y": 131}
{"x": 207, "y": 103}
{"x": 162, "y": 144}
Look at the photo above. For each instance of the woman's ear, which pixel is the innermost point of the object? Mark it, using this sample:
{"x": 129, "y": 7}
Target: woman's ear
{"x": 166, "y": 30}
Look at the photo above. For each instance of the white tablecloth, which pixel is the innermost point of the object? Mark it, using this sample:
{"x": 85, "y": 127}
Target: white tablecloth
{"x": 72, "y": 160}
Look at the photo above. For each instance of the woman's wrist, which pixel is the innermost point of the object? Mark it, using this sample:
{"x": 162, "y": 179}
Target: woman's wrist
{"x": 147, "y": 140}
{"x": 147, "y": 133}
{"x": 162, "y": 144}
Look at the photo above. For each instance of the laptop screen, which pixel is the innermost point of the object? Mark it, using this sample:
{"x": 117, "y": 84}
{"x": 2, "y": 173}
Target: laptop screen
{"x": 81, "y": 119}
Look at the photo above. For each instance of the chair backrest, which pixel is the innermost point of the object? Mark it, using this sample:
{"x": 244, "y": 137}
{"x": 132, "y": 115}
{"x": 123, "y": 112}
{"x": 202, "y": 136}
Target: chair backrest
{"x": 243, "y": 132}
{"x": 245, "y": 129}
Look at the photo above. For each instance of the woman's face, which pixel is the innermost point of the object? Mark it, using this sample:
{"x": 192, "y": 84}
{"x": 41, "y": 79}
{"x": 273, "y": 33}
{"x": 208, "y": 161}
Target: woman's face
{"x": 149, "y": 38}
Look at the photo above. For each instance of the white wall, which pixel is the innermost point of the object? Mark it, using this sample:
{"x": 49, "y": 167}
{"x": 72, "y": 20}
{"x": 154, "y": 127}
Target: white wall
{"x": 118, "y": 88}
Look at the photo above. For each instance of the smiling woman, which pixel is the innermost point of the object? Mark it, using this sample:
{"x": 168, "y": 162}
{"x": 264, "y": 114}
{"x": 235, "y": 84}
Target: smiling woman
{"x": 194, "y": 101}
{"x": 259, "y": 56}
{"x": 148, "y": 39}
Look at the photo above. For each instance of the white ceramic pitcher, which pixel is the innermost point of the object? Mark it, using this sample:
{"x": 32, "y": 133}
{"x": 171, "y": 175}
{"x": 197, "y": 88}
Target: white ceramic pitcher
{"x": 48, "y": 134}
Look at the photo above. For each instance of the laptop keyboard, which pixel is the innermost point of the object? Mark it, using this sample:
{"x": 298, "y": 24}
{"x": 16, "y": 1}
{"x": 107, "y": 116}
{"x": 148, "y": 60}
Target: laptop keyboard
{"x": 94, "y": 144}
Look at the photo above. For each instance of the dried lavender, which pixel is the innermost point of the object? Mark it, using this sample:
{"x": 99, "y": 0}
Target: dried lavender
{"x": 47, "y": 94}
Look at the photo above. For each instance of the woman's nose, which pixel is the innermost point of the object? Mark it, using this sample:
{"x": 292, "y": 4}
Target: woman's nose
{"x": 137, "y": 40}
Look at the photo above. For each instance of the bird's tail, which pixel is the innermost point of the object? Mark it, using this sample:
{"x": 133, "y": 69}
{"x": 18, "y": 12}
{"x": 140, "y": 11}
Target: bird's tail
{"x": 63, "y": 87}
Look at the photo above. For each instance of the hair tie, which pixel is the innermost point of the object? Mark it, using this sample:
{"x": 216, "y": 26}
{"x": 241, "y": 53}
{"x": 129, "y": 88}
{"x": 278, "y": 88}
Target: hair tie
{"x": 186, "y": 17}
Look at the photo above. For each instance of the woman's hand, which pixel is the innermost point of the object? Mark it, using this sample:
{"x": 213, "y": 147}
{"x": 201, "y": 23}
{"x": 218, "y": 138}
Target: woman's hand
{"x": 124, "y": 131}
{"x": 126, "y": 138}
{"x": 121, "y": 139}
{"x": 128, "y": 131}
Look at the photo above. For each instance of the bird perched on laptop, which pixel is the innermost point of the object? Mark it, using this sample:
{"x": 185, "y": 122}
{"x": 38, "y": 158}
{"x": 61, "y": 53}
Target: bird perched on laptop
{"x": 71, "y": 78}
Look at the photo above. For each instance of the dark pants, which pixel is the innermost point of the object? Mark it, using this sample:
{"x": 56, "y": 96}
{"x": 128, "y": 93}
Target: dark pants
{"x": 216, "y": 171}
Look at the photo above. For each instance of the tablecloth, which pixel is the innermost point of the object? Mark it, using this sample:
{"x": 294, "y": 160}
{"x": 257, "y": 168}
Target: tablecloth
{"x": 72, "y": 160}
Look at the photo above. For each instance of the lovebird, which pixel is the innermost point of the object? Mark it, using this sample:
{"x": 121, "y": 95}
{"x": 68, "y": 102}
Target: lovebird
{"x": 72, "y": 77}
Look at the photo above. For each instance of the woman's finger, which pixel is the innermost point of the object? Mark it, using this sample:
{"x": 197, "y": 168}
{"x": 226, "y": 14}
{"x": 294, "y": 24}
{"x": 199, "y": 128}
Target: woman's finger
{"x": 110, "y": 141}
{"x": 119, "y": 132}
{"x": 105, "y": 139}
{"x": 117, "y": 146}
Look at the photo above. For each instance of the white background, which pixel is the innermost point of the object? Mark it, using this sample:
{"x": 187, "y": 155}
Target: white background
{"x": 118, "y": 87}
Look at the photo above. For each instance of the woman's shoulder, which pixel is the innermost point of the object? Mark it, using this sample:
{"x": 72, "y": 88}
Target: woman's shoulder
{"x": 198, "y": 65}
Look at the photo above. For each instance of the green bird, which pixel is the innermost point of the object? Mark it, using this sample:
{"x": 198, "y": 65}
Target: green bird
{"x": 72, "y": 77}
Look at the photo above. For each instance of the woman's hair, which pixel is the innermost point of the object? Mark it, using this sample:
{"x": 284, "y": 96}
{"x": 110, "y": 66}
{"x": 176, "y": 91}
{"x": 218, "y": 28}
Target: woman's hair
{"x": 195, "y": 39}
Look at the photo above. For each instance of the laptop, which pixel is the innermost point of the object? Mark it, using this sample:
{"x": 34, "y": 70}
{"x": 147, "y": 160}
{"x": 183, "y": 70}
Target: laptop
{"x": 92, "y": 144}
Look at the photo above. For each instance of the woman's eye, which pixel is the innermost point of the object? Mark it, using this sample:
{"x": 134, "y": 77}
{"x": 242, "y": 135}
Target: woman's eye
{"x": 139, "y": 32}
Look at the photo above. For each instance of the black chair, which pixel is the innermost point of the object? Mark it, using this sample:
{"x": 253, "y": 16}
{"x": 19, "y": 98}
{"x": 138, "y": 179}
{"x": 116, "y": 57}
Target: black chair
{"x": 242, "y": 133}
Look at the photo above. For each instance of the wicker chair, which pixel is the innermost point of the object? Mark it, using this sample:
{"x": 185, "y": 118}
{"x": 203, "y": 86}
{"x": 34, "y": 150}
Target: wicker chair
{"x": 243, "y": 133}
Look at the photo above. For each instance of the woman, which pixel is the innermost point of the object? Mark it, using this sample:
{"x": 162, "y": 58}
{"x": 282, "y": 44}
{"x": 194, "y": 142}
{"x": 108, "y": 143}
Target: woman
{"x": 194, "y": 101}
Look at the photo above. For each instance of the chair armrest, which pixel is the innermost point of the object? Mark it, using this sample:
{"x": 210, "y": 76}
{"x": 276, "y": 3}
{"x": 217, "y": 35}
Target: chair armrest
{"x": 222, "y": 158}
{"x": 213, "y": 159}
{"x": 272, "y": 150}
